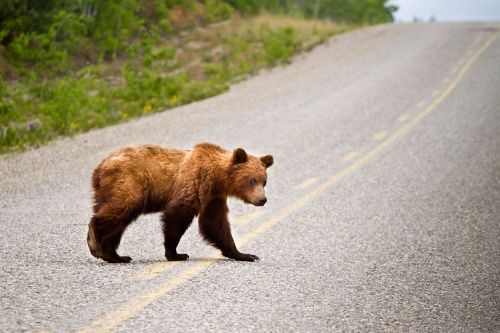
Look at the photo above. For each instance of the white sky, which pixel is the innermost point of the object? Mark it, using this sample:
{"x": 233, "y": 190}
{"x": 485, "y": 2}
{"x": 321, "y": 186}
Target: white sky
{"x": 448, "y": 10}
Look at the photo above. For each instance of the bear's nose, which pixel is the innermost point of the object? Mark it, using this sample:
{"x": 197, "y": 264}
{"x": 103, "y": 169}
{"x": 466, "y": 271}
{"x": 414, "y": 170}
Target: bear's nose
{"x": 262, "y": 201}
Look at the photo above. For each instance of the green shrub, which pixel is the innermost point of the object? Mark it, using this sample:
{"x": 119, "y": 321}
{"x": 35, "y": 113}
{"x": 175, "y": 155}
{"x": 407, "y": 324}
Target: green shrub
{"x": 69, "y": 31}
{"x": 46, "y": 57}
{"x": 251, "y": 7}
{"x": 217, "y": 10}
{"x": 279, "y": 44}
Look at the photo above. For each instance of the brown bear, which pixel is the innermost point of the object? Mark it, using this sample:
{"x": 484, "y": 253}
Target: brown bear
{"x": 180, "y": 183}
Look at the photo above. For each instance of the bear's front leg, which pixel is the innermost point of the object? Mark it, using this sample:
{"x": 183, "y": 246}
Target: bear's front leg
{"x": 215, "y": 228}
{"x": 176, "y": 218}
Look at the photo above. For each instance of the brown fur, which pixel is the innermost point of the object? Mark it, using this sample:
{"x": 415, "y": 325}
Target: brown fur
{"x": 182, "y": 185}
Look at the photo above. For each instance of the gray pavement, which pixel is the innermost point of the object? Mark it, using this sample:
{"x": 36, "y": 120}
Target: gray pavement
{"x": 408, "y": 239}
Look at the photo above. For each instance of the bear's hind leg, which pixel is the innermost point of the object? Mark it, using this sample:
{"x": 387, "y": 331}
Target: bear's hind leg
{"x": 111, "y": 243}
{"x": 176, "y": 219}
{"x": 105, "y": 234}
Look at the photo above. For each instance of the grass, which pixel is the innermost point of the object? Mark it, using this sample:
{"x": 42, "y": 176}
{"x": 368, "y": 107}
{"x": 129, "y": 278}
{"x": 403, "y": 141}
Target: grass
{"x": 157, "y": 74}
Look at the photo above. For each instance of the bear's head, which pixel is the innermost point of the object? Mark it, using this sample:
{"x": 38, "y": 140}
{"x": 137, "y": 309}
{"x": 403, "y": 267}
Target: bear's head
{"x": 249, "y": 177}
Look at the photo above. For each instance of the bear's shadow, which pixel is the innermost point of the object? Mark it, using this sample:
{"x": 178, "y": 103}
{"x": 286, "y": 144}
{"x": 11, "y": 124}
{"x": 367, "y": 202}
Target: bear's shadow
{"x": 141, "y": 262}
{"x": 191, "y": 259}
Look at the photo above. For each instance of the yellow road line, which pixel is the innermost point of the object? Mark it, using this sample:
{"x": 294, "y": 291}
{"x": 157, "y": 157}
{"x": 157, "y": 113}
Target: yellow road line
{"x": 248, "y": 217}
{"x": 116, "y": 317}
{"x": 305, "y": 183}
{"x": 403, "y": 118}
{"x": 128, "y": 310}
{"x": 350, "y": 156}
{"x": 379, "y": 136}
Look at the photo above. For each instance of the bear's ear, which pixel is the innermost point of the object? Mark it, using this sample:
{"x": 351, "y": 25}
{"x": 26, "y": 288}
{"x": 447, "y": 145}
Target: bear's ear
{"x": 267, "y": 160}
{"x": 239, "y": 156}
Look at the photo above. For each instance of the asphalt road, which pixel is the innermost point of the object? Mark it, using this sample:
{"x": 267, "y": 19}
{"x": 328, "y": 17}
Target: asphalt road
{"x": 383, "y": 212}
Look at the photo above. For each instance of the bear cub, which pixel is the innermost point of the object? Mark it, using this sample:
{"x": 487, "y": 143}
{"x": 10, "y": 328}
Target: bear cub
{"x": 181, "y": 184}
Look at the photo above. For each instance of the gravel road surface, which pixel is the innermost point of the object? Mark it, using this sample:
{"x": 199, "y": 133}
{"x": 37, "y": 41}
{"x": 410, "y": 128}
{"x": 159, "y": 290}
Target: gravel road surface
{"x": 383, "y": 211}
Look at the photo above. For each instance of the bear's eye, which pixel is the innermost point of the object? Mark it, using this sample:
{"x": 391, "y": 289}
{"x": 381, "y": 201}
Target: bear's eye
{"x": 253, "y": 181}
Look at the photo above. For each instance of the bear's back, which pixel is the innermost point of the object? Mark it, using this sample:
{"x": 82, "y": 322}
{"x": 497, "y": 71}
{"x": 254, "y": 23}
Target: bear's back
{"x": 145, "y": 174}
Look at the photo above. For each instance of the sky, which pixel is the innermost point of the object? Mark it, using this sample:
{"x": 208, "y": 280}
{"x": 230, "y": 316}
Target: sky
{"x": 448, "y": 10}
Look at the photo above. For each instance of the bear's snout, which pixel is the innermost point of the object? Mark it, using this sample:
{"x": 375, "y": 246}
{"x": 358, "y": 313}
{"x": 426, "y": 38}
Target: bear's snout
{"x": 262, "y": 202}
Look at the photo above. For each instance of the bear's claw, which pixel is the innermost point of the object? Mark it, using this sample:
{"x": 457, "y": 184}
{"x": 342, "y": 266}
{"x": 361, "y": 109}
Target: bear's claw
{"x": 251, "y": 257}
{"x": 178, "y": 257}
{"x": 244, "y": 257}
{"x": 118, "y": 259}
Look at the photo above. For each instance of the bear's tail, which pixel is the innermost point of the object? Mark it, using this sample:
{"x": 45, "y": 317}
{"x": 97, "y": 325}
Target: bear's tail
{"x": 92, "y": 243}
{"x": 96, "y": 189}
{"x": 96, "y": 178}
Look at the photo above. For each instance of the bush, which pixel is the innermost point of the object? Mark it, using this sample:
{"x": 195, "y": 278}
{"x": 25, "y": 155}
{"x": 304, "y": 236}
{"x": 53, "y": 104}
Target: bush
{"x": 217, "y": 10}
{"x": 251, "y": 7}
{"x": 279, "y": 44}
